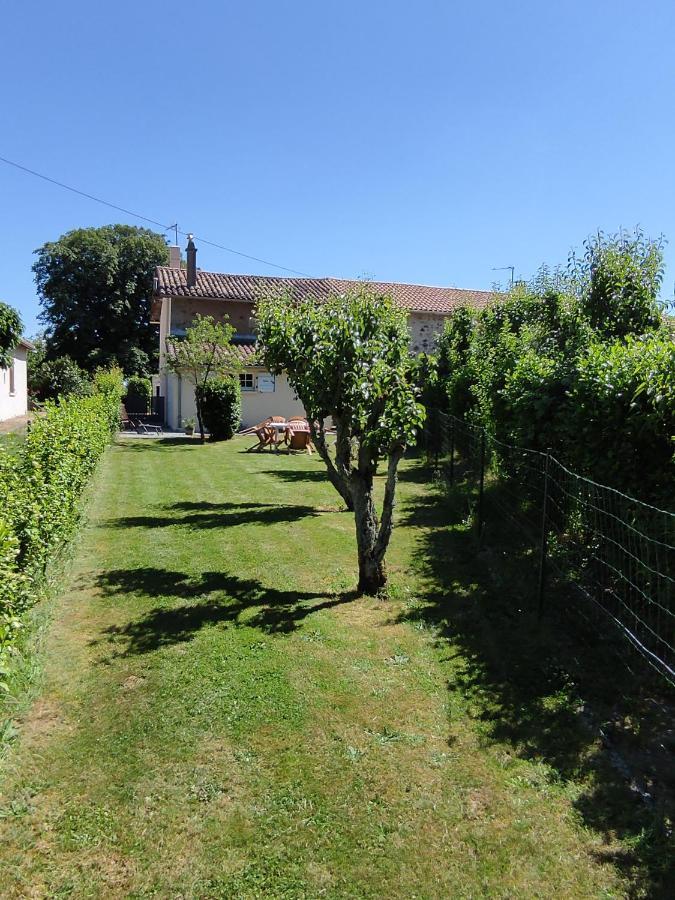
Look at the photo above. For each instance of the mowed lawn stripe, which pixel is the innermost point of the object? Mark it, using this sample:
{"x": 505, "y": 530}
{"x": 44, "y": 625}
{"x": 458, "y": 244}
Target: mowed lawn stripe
{"x": 222, "y": 717}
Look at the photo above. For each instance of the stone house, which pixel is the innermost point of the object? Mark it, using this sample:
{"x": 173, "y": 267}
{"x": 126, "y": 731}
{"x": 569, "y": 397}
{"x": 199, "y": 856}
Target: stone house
{"x": 181, "y": 292}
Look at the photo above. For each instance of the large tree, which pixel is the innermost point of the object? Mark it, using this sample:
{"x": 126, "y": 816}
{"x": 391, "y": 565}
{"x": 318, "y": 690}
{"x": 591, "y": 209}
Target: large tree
{"x": 348, "y": 360}
{"x": 95, "y": 289}
{"x": 10, "y": 332}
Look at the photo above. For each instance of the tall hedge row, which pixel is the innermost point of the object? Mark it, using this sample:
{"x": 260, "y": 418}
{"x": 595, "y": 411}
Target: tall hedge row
{"x": 41, "y": 484}
{"x": 580, "y": 362}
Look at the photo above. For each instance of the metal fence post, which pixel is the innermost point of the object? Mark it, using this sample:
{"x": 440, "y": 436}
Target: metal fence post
{"x": 481, "y": 486}
{"x": 543, "y": 547}
{"x": 452, "y": 449}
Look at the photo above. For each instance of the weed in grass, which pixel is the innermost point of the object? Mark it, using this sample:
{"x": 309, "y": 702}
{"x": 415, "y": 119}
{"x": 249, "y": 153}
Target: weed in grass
{"x": 398, "y": 659}
{"x": 82, "y": 827}
{"x": 315, "y": 636}
{"x": 247, "y": 757}
{"x": 354, "y": 754}
{"x": 205, "y": 790}
{"x": 386, "y": 736}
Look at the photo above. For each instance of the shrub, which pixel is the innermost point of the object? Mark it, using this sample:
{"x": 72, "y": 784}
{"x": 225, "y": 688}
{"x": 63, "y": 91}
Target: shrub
{"x": 221, "y": 406}
{"x": 60, "y": 377}
{"x": 109, "y": 381}
{"x": 619, "y": 277}
{"x": 138, "y": 394}
{"x": 453, "y": 361}
{"x": 579, "y": 362}
{"x": 137, "y": 386}
{"x": 622, "y": 416}
{"x": 40, "y": 489}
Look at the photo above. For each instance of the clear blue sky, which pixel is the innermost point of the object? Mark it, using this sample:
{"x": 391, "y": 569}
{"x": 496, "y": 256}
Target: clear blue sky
{"x": 423, "y": 142}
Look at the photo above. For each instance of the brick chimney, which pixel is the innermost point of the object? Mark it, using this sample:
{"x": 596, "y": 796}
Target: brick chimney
{"x": 174, "y": 257}
{"x": 191, "y": 253}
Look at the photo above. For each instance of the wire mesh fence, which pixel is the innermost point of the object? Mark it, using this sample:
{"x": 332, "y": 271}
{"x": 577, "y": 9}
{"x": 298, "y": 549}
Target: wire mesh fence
{"x": 616, "y": 552}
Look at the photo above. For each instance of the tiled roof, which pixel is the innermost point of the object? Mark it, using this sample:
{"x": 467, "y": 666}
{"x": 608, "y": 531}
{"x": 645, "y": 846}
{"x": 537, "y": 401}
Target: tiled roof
{"x": 221, "y": 286}
{"x": 245, "y": 353}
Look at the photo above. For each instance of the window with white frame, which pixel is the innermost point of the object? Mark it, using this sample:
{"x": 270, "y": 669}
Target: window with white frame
{"x": 246, "y": 381}
{"x": 12, "y": 380}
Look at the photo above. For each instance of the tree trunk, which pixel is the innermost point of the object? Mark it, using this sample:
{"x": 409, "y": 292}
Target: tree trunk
{"x": 372, "y": 573}
{"x": 199, "y": 418}
{"x": 372, "y": 536}
{"x": 372, "y": 576}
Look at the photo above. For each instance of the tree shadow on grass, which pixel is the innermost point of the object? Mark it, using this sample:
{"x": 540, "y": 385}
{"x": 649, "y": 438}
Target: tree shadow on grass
{"x": 205, "y": 514}
{"x": 295, "y": 476}
{"x": 136, "y": 443}
{"x": 215, "y": 598}
{"x": 546, "y": 689}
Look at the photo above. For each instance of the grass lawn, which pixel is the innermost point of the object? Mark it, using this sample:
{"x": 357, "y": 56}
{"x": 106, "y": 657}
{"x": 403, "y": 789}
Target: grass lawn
{"x": 221, "y": 717}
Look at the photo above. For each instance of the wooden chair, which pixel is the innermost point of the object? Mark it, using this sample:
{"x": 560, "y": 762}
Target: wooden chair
{"x": 267, "y": 437}
{"x": 125, "y": 422}
{"x": 298, "y": 436}
{"x": 295, "y": 421}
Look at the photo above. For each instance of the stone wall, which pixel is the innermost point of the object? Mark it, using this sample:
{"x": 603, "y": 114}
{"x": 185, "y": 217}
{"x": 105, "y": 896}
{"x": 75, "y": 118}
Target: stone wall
{"x": 424, "y": 331}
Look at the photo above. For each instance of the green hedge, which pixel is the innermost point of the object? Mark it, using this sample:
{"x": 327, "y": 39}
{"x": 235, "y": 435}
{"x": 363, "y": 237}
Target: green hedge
{"x": 221, "y": 407}
{"x": 137, "y": 386}
{"x": 40, "y": 488}
{"x": 579, "y": 362}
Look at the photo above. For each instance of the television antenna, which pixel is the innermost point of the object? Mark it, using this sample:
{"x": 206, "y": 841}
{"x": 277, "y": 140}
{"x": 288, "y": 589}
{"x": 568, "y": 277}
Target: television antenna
{"x": 510, "y": 269}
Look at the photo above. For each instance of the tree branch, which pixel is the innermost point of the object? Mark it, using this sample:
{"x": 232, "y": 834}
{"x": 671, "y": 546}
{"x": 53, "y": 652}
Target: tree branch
{"x": 387, "y": 520}
{"x": 336, "y": 479}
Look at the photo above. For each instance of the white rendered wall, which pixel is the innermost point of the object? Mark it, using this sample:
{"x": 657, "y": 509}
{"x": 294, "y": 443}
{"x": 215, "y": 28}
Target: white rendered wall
{"x": 16, "y": 403}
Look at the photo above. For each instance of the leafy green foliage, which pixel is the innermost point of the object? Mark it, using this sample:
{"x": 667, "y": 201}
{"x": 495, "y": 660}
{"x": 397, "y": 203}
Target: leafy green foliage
{"x": 221, "y": 406}
{"x": 10, "y": 332}
{"x": 137, "y": 386}
{"x": 109, "y": 381}
{"x": 95, "y": 288}
{"x": 622, "y": 415}
{"x": 619, "y": 278}
{"x": 453, "y": 361}
{"x": 40, "y": 488}
{"x": 60, "y": 377}
{"x": 347, "y": 359}
{"x": 205, "y": 351}
{"x": 577, "y": 362}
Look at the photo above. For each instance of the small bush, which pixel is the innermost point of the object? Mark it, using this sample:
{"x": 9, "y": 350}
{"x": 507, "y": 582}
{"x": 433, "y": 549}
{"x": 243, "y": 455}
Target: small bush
{"x": 60, "y": 377}
{"x": 221, "y": 407}
{"x": 137, "y": 386}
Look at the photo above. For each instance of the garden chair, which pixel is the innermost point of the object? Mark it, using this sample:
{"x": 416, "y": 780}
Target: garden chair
{"x": 295, "y": 423}
{"x": 298, "y": 436}
{"x": 151, "y": 429}
{"x": 141, "y": 428}
{"x": 125, "y": 422}
{"x": 267, "y": 437}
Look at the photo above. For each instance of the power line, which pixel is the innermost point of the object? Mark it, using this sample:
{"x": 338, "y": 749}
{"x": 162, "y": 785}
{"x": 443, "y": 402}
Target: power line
{"x": 129, "y": 212}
